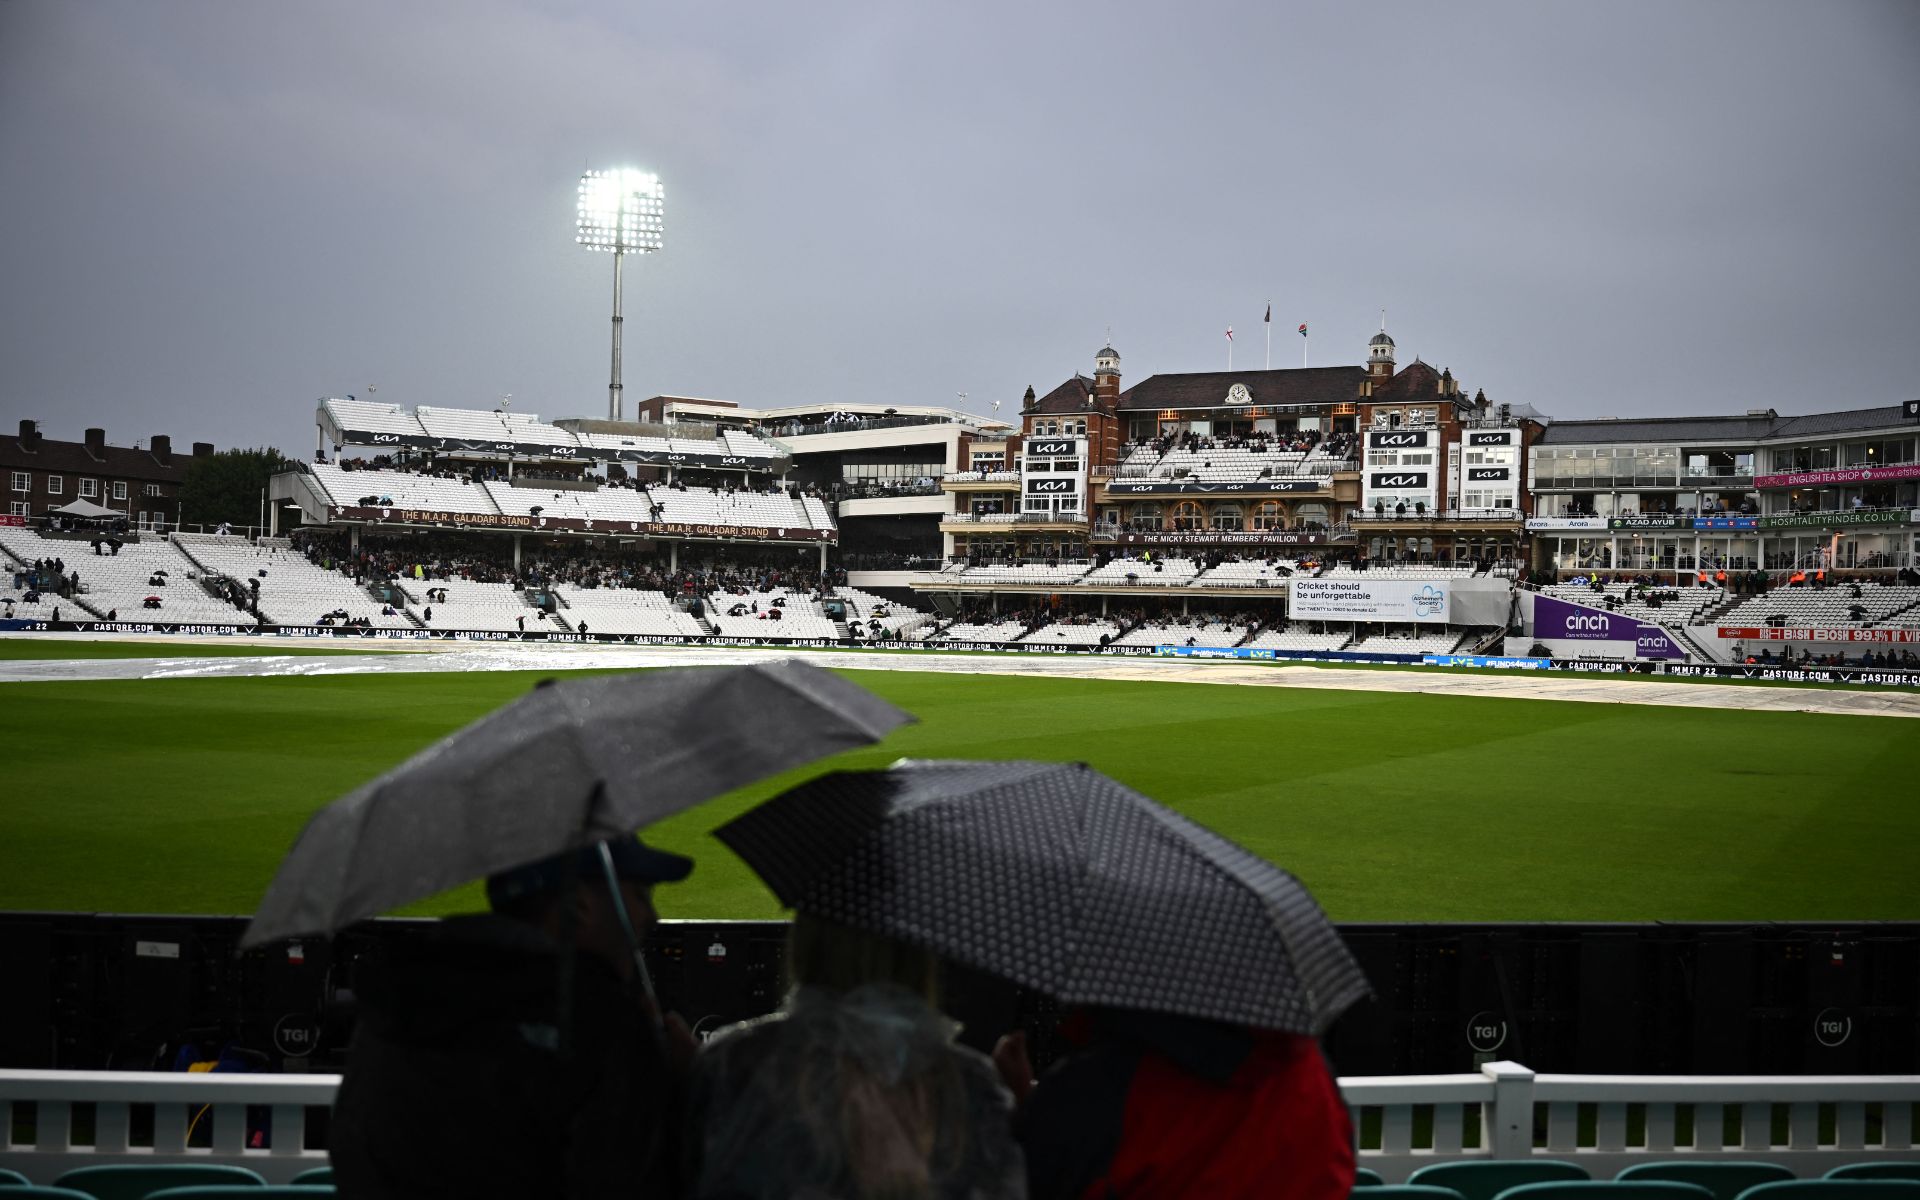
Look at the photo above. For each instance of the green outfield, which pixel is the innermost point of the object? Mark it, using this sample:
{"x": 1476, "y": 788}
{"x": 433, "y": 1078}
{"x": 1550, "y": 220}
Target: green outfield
{"x": 181, "y": 795}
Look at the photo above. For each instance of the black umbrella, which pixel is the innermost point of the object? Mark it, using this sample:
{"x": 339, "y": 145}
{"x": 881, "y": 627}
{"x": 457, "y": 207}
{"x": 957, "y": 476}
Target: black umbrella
{"x": 568, "y": 765}
{"x": 1060, "y": 879}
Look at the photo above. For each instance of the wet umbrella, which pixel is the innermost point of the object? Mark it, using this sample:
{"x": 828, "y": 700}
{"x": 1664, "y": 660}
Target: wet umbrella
{"x": 1060, "y": 879}
{"x": 571, "y": 764}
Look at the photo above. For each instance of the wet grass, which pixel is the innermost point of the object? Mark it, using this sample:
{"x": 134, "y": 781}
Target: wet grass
{"x": 182, "y": 795}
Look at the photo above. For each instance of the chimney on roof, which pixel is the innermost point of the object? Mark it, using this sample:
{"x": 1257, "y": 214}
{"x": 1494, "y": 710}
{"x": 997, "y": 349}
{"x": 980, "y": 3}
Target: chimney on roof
{"x": 97, "y": 443}
{"x": 162, "y": 447}
{"x": 29, "y": 435}
{"x": 202, "y": 449}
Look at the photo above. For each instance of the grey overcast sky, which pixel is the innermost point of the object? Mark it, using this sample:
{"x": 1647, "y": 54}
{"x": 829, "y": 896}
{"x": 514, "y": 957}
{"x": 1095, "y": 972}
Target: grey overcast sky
{"x": 215, "y": 213}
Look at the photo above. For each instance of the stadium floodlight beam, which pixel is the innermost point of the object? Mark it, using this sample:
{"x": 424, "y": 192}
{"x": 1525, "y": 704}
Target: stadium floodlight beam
{"x": 622, "y": 210}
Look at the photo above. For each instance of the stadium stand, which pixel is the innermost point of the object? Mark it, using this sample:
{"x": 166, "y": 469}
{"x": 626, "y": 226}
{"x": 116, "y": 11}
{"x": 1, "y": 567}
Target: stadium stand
{"x": 1178, "y": 632}
{"x": 1688, "y": 605}
{"x": 293, "y": 591}
{"x": 120, "y": 583}
{"x": 625, "y": 610}
{"x": 521, "y": 501}
{"x": 473, "y": 424}
{"x": 1245, "y": 573}
{"x": 1445, "y": 641}
{"x": 712, "y": 506}
{"x": 464, "y": 604}
{"x": 401, "y": 489}
{"x": 899, "y": 620}
{"x": 612, "y": 441}
{"x": 1074, "y": 631}
{"x": 368, "y": 417}
{"x": 1022, "y": 573}
{"x": 746, "y": 445}
{"x": 1438, "y": 570}
{"x": 1895, "y": 606}
{"x": 989, "y": 631}
{"x": 1298, "y": 635}
{"x": 1236, "y": 460}
{"x": 526, "y": 427}
{"x": 799, "y": 615}
{"x": 1136, "y": 572}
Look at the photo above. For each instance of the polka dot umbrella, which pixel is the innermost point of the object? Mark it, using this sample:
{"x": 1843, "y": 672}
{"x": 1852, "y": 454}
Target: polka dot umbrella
{"x": 1060, "y": 879}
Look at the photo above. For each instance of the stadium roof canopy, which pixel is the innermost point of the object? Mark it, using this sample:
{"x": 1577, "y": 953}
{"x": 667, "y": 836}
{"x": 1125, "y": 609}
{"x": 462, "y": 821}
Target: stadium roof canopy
{"x": 1765, "y": 427}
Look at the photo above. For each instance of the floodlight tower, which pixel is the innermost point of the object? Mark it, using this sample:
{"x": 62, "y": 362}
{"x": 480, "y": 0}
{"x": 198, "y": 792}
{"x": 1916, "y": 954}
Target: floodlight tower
{"x": 624, "y": 211}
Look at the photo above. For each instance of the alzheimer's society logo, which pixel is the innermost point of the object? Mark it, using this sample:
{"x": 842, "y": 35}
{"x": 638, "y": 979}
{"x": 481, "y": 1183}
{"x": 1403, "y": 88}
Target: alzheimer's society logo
{"x": 1429, "y": 601}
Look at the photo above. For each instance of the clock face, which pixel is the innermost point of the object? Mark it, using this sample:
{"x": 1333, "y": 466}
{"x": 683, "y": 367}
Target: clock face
{"x": 1238, "y": 394}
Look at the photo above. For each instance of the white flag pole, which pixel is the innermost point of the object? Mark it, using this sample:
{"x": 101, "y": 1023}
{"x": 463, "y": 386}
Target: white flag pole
{"x": 1304, "y": 339}
{"x": 1229, "y": 347}
{"x": 1269, "y": 335}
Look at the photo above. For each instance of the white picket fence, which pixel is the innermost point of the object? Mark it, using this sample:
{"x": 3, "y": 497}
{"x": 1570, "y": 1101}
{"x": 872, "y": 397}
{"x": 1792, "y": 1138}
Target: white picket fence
{"x": 1809, "y": 1124}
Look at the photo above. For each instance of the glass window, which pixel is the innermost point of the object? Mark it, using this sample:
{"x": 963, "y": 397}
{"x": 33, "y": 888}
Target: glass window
{"x": 89, "y": 489}
{"x": 1188, "y": 515}
{"x": 21, "y": 482}
{"x": 55, "y": 485}
{"x": 119, "y": 489}
{"x": 1266, "y": 515}
{"x": 152, "y": 489}
{"x": 19, "y": 508}
{"x": 1226, "y": 517}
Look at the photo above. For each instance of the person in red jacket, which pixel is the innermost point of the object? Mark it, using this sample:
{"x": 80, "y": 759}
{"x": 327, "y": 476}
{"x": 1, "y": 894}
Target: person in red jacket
{"x": 1151, "y": 1106}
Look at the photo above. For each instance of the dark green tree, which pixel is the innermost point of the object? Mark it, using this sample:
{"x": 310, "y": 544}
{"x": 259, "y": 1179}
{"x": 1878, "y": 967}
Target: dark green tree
{"x": 225, "y": 486}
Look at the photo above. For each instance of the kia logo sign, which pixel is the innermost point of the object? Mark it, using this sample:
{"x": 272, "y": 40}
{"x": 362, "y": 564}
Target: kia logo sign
{"x": 1049, "y": 486}
{"x": 1406, "y": 479}
{"x": 1389, "y": 440}
{"x": 1490, "y": 439}
{"x": 386, "y": 437}
{"x": 1478, "y": 473}
{"x": 1049, "y": 449}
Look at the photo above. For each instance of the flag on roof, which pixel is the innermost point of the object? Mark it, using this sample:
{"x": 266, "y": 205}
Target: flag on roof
{"x": 1303, "y": 329}
{"x": 1269, "y": 317}
{"x": 1229, "y": 333}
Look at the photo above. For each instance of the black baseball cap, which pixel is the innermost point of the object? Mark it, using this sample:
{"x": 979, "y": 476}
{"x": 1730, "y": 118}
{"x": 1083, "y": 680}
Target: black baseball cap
{"x": 632, "y": 859}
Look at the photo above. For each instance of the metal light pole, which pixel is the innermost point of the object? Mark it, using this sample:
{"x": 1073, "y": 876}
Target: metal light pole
{"x": 622, "y": 210}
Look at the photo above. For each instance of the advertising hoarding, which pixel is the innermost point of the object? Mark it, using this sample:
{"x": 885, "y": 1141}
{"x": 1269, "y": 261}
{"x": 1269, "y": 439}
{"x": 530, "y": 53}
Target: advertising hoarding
{"x": 1354, "y": 597}
{"x": 1556, "y": 620}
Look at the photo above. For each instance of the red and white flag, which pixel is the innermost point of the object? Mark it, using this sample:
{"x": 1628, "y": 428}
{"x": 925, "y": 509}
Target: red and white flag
{"x": 1229, "y": 333}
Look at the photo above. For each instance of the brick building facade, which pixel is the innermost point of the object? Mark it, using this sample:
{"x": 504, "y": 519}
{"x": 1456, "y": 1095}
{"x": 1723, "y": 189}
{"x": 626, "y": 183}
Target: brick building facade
{"x": 41, "y": 474}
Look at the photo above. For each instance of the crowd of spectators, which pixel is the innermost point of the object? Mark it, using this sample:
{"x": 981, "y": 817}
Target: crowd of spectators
{"x": 1295, "y": 441}
{"x": 452, "y": 556}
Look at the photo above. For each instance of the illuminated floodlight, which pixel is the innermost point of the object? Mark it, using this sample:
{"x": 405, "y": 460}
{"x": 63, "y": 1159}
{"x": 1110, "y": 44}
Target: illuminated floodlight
{"x": 622, "y": 210}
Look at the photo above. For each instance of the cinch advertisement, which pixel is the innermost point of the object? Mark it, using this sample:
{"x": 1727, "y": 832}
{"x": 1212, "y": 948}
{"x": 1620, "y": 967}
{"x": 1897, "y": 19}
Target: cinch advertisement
{"x": 1557, "y": 620}
{"x": 1352, "y": 597}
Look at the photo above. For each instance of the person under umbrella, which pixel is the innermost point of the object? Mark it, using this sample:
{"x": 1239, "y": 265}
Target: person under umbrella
{"x": 542, "y": 797}
{"x": 855, "y": 1088}
{"x": 1198, "y": 975}
{"x": 508, "y": 1053}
